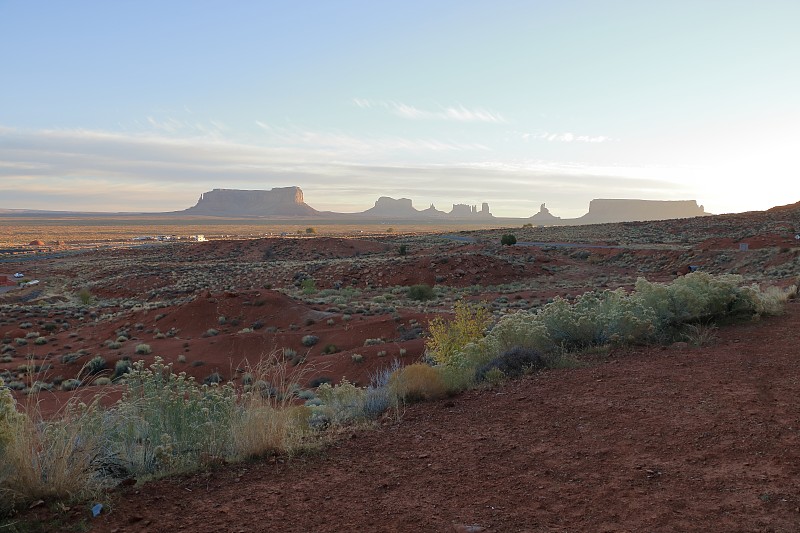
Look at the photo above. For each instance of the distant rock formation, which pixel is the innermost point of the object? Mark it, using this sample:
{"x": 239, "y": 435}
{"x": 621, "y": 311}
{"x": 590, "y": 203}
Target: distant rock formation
{"x": 288, "y": 202}
{"x": 390, "y": 207}
{"x": 545, "y": 217}
{"x": 620, "y": 210}
{"x": 386, "y": 207}
{"x": 279, "y": 201}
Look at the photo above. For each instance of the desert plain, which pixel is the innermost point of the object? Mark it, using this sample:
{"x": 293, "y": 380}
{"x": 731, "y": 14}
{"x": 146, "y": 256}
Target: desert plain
{"x": 699, "y": 434}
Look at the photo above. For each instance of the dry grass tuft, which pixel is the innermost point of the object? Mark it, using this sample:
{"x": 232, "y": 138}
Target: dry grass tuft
{"x": 417, "y": 382}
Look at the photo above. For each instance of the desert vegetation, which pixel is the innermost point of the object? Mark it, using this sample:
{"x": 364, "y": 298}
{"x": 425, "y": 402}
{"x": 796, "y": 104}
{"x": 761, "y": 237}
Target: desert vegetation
{"x": 165, "y": 422}
{"x": 134, "y": 343}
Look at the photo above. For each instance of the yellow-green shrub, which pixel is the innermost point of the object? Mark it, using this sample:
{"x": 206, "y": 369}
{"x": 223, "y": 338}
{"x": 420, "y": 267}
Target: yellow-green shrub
{"x": 448, "y": 338}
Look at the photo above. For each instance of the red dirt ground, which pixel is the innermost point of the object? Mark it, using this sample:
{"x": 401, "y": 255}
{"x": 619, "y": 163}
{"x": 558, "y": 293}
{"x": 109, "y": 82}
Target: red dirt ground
{"x": 650, "y": 439}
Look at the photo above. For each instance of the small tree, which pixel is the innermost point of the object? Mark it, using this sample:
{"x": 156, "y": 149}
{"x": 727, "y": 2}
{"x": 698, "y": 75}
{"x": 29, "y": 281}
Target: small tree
{"x": 403, "y": 250}
{"x": 311, "y": 230}
{"x": 508, "y": 239}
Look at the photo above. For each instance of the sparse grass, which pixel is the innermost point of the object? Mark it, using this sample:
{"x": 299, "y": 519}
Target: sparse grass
{"x": 700, "y": 334}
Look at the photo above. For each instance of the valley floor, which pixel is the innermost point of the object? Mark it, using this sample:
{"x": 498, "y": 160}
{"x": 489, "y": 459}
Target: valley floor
{"x": 648, "y": 439}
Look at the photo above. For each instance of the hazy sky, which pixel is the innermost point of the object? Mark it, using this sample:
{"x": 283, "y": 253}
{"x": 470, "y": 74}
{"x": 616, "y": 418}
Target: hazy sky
{"x": 142, "y": 106}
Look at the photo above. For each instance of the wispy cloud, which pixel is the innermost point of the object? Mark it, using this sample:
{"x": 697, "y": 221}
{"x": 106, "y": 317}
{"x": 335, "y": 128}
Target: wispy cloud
{"x": 565, "y": 137}
{"x": 104, "y": 171}
{"x": 458, "y": 113}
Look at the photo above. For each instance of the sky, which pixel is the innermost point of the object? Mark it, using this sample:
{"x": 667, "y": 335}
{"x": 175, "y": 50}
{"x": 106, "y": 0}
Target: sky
{"x": 143, "y": 106}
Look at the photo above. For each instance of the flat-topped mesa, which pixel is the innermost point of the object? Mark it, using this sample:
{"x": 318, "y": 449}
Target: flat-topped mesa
{"x": 390, "y": 207}
{"x": 621, "y": 210}
{"x": 279, "y": 201}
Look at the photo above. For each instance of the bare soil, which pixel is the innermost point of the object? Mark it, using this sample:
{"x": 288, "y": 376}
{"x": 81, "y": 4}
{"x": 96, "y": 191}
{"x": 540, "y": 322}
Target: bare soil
{"x": 650, "y": 439}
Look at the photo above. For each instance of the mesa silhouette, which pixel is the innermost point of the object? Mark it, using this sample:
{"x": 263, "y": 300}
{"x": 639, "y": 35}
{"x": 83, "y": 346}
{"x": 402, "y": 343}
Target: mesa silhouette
{"x": 289, "y": 202}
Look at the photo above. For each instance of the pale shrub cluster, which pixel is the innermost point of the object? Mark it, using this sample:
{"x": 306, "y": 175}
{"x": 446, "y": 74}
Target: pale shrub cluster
{"x": 652, "y": 312}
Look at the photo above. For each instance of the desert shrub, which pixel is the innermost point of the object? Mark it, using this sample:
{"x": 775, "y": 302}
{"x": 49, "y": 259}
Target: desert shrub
{"x": 143, "y": 349}
{"x": 596, "y": 319}
{"x": 508, "y": 239}
{"x": 309, "y": 340}
{"x": 330, "y": 349}
{"x": 121, "y": 367}
{"x": 654, "y": 312}
{"x": 311, "y": 231}
{"x": 85, "y": 296}
{"x": 213, "y": 378}
{"x": 417, "y": 382}
{"x": 402, "y": 249}
{"x": 320, "y": 380}
{"x": 308, "y": 286}
{"x": 40, "y": 341}
{"x": 211, "y": 332}
{"x": 357, "y": 358}
{"x": 94, "y": 366}
{"x": 69, "y": 358}
{"x": 448, "y": 338}
{"x": 512, "y": 363}
{"x": 342, "y": 403}
{"x": 10, "y": 419}
{"x": 421, "y": 292}
{"x": 700, "y": 334}
{"x": 52, "y": 459}
{"x": 167, "y": 422}
{"x": 70, "y": 384}
{"x": 456, "y": 378}
{"x": 113, "y": 345}
{"x": 20, "y": 341}
{"x": 262, "y": 429}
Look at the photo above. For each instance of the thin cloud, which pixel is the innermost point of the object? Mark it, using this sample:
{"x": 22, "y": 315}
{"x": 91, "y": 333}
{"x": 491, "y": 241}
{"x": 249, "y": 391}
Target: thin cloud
{"x": 101, "y": 171}
{"x": 451, "y": 113}
{"x": 567, "y": 137}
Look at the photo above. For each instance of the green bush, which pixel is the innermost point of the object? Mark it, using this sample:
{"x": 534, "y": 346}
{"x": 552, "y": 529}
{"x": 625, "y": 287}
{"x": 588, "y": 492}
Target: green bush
{"x": 308, "y": 286}
{"x": 143, "y": 349}
{"x": 508, "y": 239}
{"x": 421, "y": 292}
